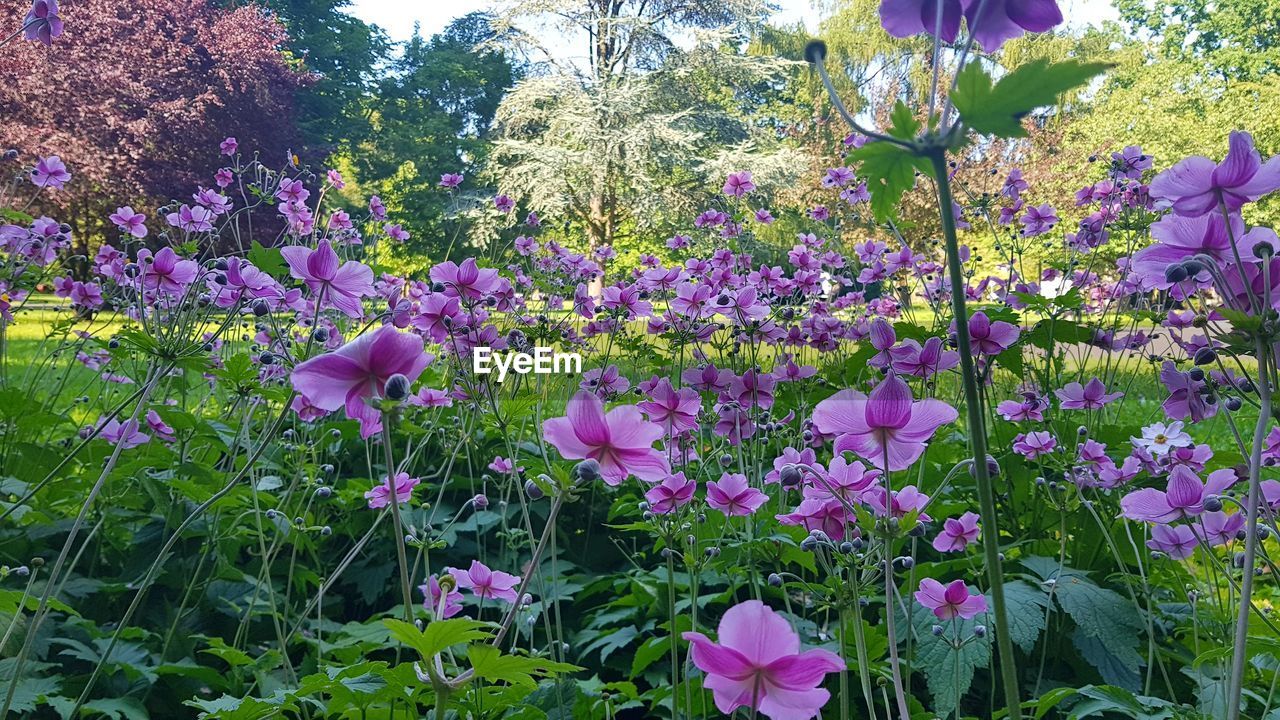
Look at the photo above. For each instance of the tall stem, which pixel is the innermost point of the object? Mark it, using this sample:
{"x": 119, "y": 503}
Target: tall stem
{"x": 1251, "y": 537}
{"x": 977, "y": 438}
{"x": 401, "y": 557}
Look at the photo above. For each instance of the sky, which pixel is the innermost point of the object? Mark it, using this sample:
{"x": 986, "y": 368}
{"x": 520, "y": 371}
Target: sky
{"x": 398, "y": 17}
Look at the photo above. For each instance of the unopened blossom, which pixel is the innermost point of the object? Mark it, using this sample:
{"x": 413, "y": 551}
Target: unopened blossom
{"x": 887, "y": 427}
{"x": 950, "y": 601}
{"x": 1160, "y": 439}
{"x": 1092, "y": 395}
{"x": 1183, "y": 496}
{"x": 673, "y": 492}
{"x": 739, "y": 184}
{"x": 340, "y": 284}
{"x": 733, "y": 496}
{"x": 758, "y": 664}
{"x": 357, "y": 372}
{"x": 432, "y": 597}
{"x": 957, "y": 533}
{"x": 620, "y": 440}
{"x": 485, "y": 583}
{"x": 133, "y": 223}
{"x": 380, "y": 495}
{"x": 1197, "y": 185}
{"x": 1034, "y": 444}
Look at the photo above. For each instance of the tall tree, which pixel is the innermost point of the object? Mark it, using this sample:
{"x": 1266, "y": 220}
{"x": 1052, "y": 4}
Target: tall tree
{"x": 136, "y": 95}
{"x": 431, "y": 115}
{"x": 1237, "y": 39}
{"x": 654, "y": 111}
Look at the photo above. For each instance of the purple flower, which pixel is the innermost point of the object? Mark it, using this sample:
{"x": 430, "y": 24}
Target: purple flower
{"x": 992, "y": 22}
{"x": 431, "y": 600}
{"x": 467, "y": 281}
{"x": 342, "y": 284}
{"x": 608, "y": 381}
{"x": 1176, "y": 541}
{"x": 133, "y": 223}
{"x": 1218, "y": 528}
{"x": 166, "y": 272}
{"x": 905, "y": 18}
{"x": 50, "y": 172}
{"x": 504, "y": 204}
{"x": 732, "y": 495}
{"x": 128, "y": 435}
{"x": 1034, "y": 444}
{"x": 1182, "y": 238}
{"x": 357, "y": 372}
{"x": 191, "y": 219}
{"x": 739, "y": 184}
{"x": 621, "y": 440}
{"x": 888, "y": 428}
{"x": 1038, "y": 220}
{"x": 1196, "y": 185}
{"x": 673, "y": 492}
{"x": 675, "y": 410}
{"x": 1090, "y": 396}
{"x": 486, "y": 584}
{"x": 911, "y": 358}
{"x": 950, "y": 601}
{"x": 228, "y": 146}
{"x": 990, "y": 338}
{"x": 957, "y": 533}
{"x": 1183, "y": 496}
{"x": 380, "y": 495}
{"x": 1186, "y": 400}
{"x": 42, "y": 22}
{"x": 451, "y": 180}
{"x": 395, "y": 232}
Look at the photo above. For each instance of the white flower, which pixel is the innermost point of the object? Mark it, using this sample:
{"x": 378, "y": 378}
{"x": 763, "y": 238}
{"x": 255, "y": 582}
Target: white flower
{"x": 1158, "y": 439}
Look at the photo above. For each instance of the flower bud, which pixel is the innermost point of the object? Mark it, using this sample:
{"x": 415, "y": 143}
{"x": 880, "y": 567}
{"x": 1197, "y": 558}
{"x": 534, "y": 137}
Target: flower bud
{"x": 587, "y": 471}
{"x": 1175, "y": 273}
{"x": 815, "y": 51}
{"x": 775, "y": 580}
{"x": 260, "y": 308}
{"x": 790, "y": 476}
{"x": 979, "y": 631}
{"x": 533, "y": 491}
{"x": 397, "y": 387}
{"x": 937, "y": 631}
{"x": 1205, "y": 356}
{"x": 480, "y": 502}
{"x": 1213, "y": 503}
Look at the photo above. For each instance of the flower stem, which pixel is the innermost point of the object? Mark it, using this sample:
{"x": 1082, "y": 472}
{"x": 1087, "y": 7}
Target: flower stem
{"x": 1236, "y": 687}
{"x": 977, "y": 437}
{"x": 401, "y": 557}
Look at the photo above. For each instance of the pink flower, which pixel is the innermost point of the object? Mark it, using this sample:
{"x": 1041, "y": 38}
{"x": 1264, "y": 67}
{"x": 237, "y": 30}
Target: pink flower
{"x": 126, "y": 434}
{"x": 50, "y": 172}
{"x": 395, "y": 232}
{"x": 165, "y": 271}
{"x": 503, "y": 465}
{"x": 1091, "y": 396}
{"x": 957, "y": 533}
{"x": 621, "y": 441}
{"x": 758, "y": 665}
{"x": 486, "y": 584}
{"x": 888, "y": 427}
{"x": 1196, "y": 185}
{"x": 950, "y": 601}
{"x": 739, "y": 184}
{"x": 358, "y": 372}
{"x": 1183, "y": 496}
{"x": 431, "y": 397}
{"x": 990, "y": 338}
{"x": 673, "y": 492}
{"x": 467, "y": 281}
{"x": 450, "y": 181}
{"x": 1034, "y": 444}
{"x": 129, "y": 221}
{"x": 504, "y": 204}
{"x": 42, "y": 22}
{"x": 432, "y": 596}
{"x": 923, "y": 361}
{"x": 732, "y": 495}
{"x": 342, "y": 284}
{"x": 228, "y": 146}
{"x": 675, "y": 410}
{"x": 191, "y": 219}
{"x": 1176, "y": 541}
{"x": 380, "y": 495}
{"x": 1218, "y": 528}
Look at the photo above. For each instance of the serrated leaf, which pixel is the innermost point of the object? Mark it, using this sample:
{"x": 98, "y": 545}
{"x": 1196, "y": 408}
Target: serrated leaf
{"x": 268, "y": 260}
{"x": 490, "y": 664}
{"x": 1026, "y": 607}
{"x": 998, "y": 108}
{"x": 437, "y": 635}
{"x": 948, "y": 671}
{"x": 1108, "y": 621}
{"x": 903, "y": 123}
{"x": 125, "y": 708}
{"x": 890, "y": 171}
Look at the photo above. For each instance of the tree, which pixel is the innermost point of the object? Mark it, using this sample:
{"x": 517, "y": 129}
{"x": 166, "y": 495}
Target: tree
{"x": 1236, "y": 39}
{"x": 136, "y": 95}
{"x": 342, "y": 56}
{"x": 635, "y": 136}
{"x": 430, "y": 116}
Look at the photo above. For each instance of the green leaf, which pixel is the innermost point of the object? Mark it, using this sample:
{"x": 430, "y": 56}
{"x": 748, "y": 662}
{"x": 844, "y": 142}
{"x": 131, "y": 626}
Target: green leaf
{"x": 648, "y": 653}
{"x": 125, "y": 708}
{"x": 268, "y": 260}
{"x": 1027, "y": 607}
{"x": 1110, "y": 699}
{"x": 890, "y": 171}
{"x": 948, "y": 672}
{"x": 438, "y": 635}
{"x": 998, "y": 109}
{"x": 490, "y": 664}
{"x": 903, "y": 123}
{"x": 1108, "y": 627}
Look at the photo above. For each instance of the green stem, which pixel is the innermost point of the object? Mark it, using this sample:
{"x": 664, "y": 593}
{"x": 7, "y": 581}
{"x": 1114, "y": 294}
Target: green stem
{"x": 401, "y": 557}
{"x": 977, "y": 438}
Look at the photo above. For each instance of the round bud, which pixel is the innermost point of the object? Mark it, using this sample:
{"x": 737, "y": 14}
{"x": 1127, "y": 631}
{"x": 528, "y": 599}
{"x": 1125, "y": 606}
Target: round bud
{"x": 587, "y": 471}
{"x": 397, "y": 387}
{"x": 979, "y": 630}
{"x": 1175, "y": 273}
{"x": 320, "y": 335}
{"x": 1205, "y": 356}
{"x": 326, "y": 531}
{"x": 533, "y": 491}
{"x": 790, "y": 476}
{"x": 480, "y": 502}
{"x": 937, "y": 631}
{"x": 260, "y": 308}
{"x": 324, "y": 491}
{"x": 815, "y": 51}
{"x": 775, "y": 580}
